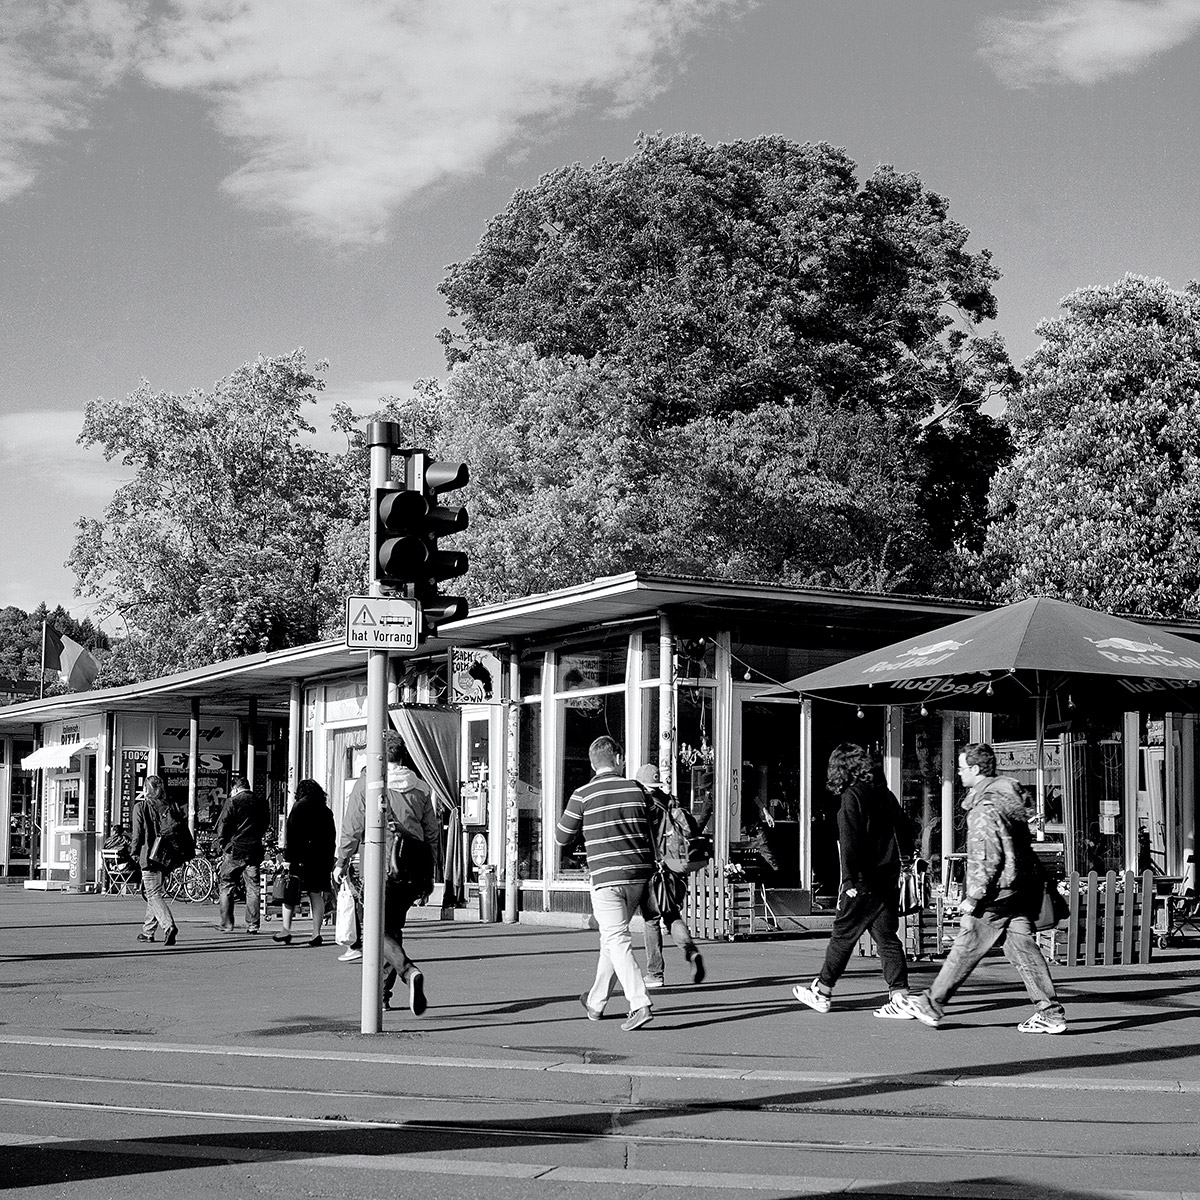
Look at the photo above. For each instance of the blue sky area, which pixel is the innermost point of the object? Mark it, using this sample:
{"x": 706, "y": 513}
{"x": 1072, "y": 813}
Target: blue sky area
{"x": 185, "y": 186}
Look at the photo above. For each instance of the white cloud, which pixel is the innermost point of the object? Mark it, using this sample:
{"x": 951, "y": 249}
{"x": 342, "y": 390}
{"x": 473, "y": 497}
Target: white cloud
{"x": 1086, "y": 41}
{"x": 37, "y": 448}
{"x": 343, "y": 111}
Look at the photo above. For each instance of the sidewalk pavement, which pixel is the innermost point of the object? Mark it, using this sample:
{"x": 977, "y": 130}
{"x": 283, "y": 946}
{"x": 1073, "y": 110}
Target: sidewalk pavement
{"x": 508, "y": 996}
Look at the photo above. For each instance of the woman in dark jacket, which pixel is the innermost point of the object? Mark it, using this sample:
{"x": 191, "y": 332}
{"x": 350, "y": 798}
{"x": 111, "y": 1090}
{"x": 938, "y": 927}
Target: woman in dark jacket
{"x": 872, "y": 828}
{"x": 149, "y": 813}
{"x": 309, "y": 843}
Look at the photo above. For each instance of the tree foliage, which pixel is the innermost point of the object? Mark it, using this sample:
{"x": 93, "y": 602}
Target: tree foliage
{"x": 21, "y": 641}
{"x": 1101, "y": 502}
{"x": 217, "y": 545}
{"x": 727, "y": 360}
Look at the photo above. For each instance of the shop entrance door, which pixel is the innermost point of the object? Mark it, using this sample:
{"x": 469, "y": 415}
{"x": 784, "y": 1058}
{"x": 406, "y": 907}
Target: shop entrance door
{"x": 764, "y": 825}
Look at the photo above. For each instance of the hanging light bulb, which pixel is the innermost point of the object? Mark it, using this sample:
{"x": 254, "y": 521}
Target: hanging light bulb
{"x": 861, "y": 714}
{"x": 924, "y": 711}
{"x": 989, "y": 687}
{"x": 747, "y": 675}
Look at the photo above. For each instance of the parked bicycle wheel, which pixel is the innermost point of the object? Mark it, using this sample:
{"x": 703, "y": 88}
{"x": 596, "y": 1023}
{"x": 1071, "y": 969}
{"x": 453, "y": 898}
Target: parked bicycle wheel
{"x": 200, "y": 881}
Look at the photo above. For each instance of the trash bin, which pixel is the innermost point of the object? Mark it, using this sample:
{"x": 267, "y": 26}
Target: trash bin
{"x": 487, "y": 894}
{"x": 81, "y": 861}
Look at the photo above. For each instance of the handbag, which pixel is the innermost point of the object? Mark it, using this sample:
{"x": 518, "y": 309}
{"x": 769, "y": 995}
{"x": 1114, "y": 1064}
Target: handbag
{"x": 912, "y": 891}
{"x": 346, "y": 923}
{"x": 1053, "y": 908}
{"x": 279, "y": 888}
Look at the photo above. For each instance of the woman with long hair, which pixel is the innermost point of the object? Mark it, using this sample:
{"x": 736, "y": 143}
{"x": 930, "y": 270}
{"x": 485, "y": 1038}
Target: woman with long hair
{"x": 309, "y": 845}
{"x": 151, "y": 813}
{"x": 872, "y": 828}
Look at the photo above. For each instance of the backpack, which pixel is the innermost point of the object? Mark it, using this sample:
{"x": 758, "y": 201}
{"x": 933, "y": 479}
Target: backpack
{"x": 408, "y": 860}
{"x": 174, "y": 845}
{"x": 682, "y": 848}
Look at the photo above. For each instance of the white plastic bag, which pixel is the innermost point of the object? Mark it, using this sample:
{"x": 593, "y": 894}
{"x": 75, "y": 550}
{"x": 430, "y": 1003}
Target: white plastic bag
{"x": 346, "y": 930}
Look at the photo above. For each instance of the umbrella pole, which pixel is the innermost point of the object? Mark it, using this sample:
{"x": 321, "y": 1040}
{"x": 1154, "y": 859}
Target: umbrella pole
{"x": 1041, "y": 766}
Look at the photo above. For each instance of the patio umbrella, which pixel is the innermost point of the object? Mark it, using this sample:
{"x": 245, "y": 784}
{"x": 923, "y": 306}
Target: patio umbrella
{"x": 1041, "y": 649}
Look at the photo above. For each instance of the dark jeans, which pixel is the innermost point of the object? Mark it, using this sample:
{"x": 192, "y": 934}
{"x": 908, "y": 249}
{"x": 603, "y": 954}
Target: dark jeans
{"x": 875, "y": 911}
{"x": 398, "y": 897}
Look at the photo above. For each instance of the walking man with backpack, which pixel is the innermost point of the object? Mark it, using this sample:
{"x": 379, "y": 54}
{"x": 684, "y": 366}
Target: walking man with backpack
{"x": 612, "y": 814}
{"x": 1003, "y": 891}
{"x": 663, "y": 905}
{"x": 412, "y": 821}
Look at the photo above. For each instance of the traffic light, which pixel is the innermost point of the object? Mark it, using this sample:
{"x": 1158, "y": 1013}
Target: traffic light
{"x": 407, "y": 521}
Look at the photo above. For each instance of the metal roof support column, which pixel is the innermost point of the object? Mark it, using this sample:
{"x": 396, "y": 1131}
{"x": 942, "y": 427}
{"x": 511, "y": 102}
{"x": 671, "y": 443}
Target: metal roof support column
{"x": 193, "y": 761}
{"x": 949, "y": 779}
{"x": 295, "y": 739}
{"x": 666, "y": 706}
{"x": 251, "y": 739}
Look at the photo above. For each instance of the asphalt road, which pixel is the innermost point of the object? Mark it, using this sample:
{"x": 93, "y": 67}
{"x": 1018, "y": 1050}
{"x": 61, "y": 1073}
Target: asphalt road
{"x": 232, "y": 1066}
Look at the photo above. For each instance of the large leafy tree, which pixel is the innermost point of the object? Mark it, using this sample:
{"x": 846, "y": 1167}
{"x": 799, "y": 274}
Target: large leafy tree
{"x": 734, "y": 360}
{"x": 1101, "y": 502}
{"x": 217, "y": 545}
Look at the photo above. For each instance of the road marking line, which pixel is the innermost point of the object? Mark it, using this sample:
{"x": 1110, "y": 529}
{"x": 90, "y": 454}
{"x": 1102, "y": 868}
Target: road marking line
{"x": 631, "y": 1070}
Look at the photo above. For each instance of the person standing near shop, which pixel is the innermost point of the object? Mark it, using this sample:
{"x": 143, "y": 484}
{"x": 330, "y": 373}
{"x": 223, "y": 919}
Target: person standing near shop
{"x": 665, "y": 909}
{"x": 151, "y": 813}
{"x": 1003, "y": 891}
{"x": 411, "y": 802}
{"x": 240, "y": 830}
{"x": 871, "y": 829}
{"x": 310, "y": 838}
{"x": 612, "y": 814}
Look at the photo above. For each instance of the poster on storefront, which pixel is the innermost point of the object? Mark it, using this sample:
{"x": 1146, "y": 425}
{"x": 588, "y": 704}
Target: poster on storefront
{"x": 134, "y": 769}
{"x": 212, "y": 784}
{"x": 475, "y": 677}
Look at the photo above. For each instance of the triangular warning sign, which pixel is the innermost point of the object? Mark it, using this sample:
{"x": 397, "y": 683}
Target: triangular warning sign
{"x": 364, "y": 617}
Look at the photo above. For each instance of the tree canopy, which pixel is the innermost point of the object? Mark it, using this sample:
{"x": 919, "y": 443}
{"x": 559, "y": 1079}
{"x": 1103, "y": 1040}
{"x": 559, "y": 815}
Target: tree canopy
{"x": 1101, "y": 502}
{"x": 729, "y": 360}
{"x": 217, "y": 545}
{"x": 21, "y": 641}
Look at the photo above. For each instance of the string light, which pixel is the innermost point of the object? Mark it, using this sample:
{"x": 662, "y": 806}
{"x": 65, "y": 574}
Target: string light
{"x": 746, "y": 677}
{"x": 924, "y": 711}
{"x": 989, "y": 688}
{"x": 861, "y": 714}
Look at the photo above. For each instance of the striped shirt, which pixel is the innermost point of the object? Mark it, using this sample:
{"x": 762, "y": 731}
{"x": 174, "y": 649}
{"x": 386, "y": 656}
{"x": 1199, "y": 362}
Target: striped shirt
{"x": 614, "y": 815}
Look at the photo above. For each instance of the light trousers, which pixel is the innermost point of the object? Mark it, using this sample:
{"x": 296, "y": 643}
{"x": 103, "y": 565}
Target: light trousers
{"x": 614, "y": 907}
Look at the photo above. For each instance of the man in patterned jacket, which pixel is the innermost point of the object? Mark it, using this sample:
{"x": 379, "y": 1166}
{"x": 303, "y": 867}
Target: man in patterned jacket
{"x": 1003, "y": 889}
{"x": 613, "y": 816}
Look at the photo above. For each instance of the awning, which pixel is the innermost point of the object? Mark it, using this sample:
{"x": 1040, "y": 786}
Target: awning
{"x": 58, "y": 755}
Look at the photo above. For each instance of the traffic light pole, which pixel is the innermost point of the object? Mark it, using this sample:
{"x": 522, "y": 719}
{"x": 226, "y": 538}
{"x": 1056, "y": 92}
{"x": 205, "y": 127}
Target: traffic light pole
{"x": 382, "y": 437}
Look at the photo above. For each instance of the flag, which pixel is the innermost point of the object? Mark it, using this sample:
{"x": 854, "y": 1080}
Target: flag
{"x": 72, "y": 661}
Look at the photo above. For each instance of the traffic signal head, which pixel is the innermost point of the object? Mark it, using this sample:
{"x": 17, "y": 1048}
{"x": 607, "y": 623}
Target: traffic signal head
{"x": 406, "y": 522}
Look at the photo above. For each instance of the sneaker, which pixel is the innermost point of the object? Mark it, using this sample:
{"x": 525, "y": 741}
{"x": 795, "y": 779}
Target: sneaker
{"x": 350, "y": 956}
{"x": 172, "y": 933}
{"x": 820, "y": 1002}
{"x": 251, "y": 928}
{"x": 654, "y": 980}
{"x": 698, "y": 971}
{"x": 593, "y": 1014}
{"x": 921, "y": 1007}
{"x": 1044, "y": 1022}
{"x": 637, "y": 1018}
{"x": 416, "y": 993}
{"x": 145, "y": 937}
{"x": 894, "y": 1009}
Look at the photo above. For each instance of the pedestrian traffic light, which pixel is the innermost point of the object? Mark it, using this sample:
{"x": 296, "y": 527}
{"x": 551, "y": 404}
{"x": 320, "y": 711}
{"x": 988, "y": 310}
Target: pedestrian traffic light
{"x": 407, "y": 521}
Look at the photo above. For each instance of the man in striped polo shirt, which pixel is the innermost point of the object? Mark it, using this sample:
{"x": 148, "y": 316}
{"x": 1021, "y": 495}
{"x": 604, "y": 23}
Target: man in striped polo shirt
{"x": 613, "y": 815}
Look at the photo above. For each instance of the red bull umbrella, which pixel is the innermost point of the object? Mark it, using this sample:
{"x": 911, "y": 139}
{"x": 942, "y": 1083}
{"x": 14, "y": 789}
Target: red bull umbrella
{"x": 1040, "y": 649}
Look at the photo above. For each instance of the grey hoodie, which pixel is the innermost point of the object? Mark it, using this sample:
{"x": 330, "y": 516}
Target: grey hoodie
{"x": 999, "y": 855}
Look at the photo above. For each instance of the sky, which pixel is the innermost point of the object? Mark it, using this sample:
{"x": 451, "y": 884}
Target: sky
{"x": 188, "y": 184}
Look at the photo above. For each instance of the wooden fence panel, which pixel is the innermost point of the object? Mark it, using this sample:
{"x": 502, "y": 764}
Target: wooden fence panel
{"x": 1110, "y": 921}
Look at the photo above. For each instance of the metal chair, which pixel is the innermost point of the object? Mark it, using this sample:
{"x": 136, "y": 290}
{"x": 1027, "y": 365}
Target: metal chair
{"x": 122, "y": 877}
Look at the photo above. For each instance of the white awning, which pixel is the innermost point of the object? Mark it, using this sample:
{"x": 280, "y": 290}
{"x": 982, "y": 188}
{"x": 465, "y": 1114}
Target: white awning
{"x": 58, "y": 755}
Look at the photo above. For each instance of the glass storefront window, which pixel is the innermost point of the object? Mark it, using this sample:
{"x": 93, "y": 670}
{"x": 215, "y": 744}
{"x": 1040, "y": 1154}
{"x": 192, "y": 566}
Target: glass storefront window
{"x": 694, "y": 750}
{"x": 531, "y": 674}
{"x": 583, "y": 669}
{"x": 585, "y": 718}
{"x": 650, "y": 655}
{"x": 649, "y": 729}
{"x": 529, "y": 791}
{"x": 921, "y": 773}
{"x": 68, "y": 801}
{"x": 20, "y": 821}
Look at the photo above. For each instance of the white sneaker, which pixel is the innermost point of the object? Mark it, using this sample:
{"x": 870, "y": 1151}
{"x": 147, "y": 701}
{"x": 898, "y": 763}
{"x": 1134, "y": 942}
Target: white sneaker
{"x": 350, "y": 956}
{"x": 654, "y": 981}
{"x": 894, "y": 1010}
{"x": 815, "y": 1000}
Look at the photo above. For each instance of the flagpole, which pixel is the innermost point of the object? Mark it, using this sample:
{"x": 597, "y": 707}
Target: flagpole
{"x": 42, "y": 675}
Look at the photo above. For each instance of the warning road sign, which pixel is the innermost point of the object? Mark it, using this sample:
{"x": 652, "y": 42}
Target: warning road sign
{"x": 381, "y": 623}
